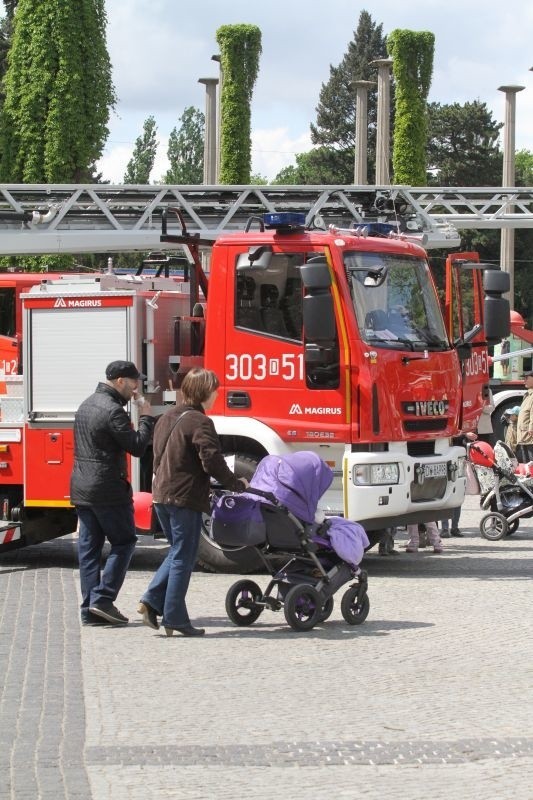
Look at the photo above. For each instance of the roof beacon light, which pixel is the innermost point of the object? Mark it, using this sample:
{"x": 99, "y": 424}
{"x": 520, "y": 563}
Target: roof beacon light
{"x": 285, "y": 221}
{"x": 383, "y": 229}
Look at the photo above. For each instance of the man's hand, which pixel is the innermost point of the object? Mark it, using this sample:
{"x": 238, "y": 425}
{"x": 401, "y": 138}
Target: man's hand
{"x": 144, "y": 406}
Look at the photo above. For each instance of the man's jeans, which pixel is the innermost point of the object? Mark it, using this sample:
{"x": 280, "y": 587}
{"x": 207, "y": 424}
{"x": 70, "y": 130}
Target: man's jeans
{"x": 167, "y": 590}
{"x": 117, "y": 524}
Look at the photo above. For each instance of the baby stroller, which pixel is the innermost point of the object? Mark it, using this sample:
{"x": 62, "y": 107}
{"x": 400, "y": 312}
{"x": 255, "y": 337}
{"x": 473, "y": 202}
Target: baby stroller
{"x": 506, "y": 488}
{"x": 276, "y": 516}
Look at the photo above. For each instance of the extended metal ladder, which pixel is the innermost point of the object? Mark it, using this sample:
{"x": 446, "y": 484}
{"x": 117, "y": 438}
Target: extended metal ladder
{"x": 69, "y": 218}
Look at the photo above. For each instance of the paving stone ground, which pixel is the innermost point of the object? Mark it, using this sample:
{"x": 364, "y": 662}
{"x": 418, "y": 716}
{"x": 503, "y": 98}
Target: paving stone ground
{"x": 431, "y": 697}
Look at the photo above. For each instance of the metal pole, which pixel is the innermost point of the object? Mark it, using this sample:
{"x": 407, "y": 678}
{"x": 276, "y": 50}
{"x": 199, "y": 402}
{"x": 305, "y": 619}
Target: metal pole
{"x": 360, "y": 172}
{"x": 508, "y": 179}
{"x": 383, "y": 122}
{"x": 210, "y": 143}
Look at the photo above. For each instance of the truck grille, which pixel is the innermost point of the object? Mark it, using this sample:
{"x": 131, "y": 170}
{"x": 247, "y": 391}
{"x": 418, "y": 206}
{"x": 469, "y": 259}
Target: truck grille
{"x": 421, "y": 425}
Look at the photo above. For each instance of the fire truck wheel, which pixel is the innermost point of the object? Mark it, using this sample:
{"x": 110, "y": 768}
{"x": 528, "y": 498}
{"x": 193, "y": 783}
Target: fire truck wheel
{"x": 238, "y": 560}
{"x": 493, "y": 526}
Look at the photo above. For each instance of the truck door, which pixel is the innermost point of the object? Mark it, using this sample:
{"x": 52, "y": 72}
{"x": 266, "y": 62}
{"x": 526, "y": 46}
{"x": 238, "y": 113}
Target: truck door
{"x": 285, "y": 358}
{"x": 464, "y": 321}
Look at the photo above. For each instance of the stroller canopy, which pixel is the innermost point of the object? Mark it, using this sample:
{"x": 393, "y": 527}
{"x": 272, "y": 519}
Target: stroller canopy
{"x": 297, "y": 480}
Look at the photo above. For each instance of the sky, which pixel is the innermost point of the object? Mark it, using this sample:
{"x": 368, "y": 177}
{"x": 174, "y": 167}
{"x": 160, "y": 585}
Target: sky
{"x": 160, "y": 48}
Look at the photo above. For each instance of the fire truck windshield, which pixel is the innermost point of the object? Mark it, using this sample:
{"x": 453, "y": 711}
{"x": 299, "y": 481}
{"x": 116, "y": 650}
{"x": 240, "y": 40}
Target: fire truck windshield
{"x": 395, "y": 302}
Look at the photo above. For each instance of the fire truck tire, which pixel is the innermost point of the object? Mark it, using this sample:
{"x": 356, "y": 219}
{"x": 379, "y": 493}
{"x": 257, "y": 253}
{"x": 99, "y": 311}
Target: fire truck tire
{"x": 239, "y": 561}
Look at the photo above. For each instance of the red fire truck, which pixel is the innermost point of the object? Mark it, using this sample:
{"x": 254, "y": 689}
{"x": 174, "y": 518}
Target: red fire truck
{"x": 331, "y": 340}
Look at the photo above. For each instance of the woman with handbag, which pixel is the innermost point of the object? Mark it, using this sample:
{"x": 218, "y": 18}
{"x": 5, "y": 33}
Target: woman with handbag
{"x": 187, "y": 453}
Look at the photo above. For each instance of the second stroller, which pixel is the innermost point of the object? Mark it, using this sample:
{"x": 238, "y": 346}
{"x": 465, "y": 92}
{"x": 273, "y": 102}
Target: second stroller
{"x": 506, "y": 489}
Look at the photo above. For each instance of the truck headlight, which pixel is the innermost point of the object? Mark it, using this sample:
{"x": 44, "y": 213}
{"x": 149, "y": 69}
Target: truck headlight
{"x": 375, "y": 474}
{"x": 461, "y": 467}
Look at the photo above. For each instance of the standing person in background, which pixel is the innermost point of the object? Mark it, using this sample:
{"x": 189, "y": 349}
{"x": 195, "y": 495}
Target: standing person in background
{"x": 100, "y": 490}
{"x": 186, "y": 453}
{"x": 524, "y": 432}
{"x": 505, "y": 350}
{"x": 461, "y": 441}
{"x": 484, "y": 425}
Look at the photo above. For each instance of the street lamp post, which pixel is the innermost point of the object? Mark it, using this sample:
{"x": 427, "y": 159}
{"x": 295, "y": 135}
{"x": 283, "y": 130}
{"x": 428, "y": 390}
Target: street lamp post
{"x": 509, "y": 179}
{"x": 360, "y": 173}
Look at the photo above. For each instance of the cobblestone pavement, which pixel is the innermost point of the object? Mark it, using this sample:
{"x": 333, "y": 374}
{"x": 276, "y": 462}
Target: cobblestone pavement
{"x": 431, "y": 697}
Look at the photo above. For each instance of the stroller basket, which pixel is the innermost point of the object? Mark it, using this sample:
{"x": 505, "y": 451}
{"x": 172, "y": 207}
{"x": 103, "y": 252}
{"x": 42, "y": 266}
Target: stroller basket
{"x": 242, "y": 521}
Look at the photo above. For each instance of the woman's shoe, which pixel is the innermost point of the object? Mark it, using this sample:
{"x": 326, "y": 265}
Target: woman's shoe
{"x": 149, "y": 615}
{"x": 186, "y": 630}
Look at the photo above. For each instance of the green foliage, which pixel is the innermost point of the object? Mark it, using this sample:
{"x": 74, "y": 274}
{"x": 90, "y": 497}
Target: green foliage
{"x": 412, "y": 54}
{"x": 322, "y": 165}
{"x": 256, "y": 179}
{"x": 524, "y": 167}
{"x": 240, "y": 48}
{"x": 336, "y": 109}
{"x": 462, "y": 145}
{"x": 142, "y": 161}
{"x": 58, "y": 92}
{"x": 52, "y": 263}
{"x": 186, "y": 149}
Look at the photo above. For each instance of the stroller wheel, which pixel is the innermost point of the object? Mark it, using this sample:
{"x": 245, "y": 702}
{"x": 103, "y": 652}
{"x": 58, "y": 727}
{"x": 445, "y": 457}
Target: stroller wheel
{"x": 354, "y": 612}
{"x": 241, "y": 602}
{"x": 512, "y": 527}
{"x": 327, "y": 610}
{"x": 493, "y": 526}
{"x": 303, "y": 606}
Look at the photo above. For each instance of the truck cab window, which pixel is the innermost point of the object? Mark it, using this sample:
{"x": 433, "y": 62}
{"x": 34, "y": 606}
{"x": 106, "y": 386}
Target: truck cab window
{"x": 269, "y": 300}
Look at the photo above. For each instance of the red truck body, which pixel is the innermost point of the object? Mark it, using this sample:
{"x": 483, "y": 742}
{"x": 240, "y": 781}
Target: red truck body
{"x": 326, "y": 340}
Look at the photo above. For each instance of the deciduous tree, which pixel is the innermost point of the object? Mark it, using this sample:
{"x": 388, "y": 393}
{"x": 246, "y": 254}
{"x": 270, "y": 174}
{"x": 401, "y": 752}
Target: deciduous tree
{"x": 141, "y": 163}
{"x": 463, "y": 145}
{"x": 186, "y": 149}
{"x": 58, "y": 92}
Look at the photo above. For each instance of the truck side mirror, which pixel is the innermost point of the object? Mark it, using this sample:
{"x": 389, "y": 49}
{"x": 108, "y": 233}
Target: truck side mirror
{"x": 319, "y": 318}
{"x": 315, "y": 274}
{"x": 497, "y": 317}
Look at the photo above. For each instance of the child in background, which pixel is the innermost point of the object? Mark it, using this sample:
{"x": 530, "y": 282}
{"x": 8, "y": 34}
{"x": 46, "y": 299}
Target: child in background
{"x": 432, "y": 533}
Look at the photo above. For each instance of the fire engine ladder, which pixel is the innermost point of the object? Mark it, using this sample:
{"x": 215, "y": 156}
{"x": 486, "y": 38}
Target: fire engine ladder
{"x": 47, "y": 218}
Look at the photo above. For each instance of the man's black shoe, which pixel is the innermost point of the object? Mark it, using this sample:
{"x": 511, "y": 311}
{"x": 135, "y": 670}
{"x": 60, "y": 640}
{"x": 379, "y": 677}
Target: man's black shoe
{"x": 92, "y": 619}
{"x": 110, "y": 613}
{"x": 456, "y": 533}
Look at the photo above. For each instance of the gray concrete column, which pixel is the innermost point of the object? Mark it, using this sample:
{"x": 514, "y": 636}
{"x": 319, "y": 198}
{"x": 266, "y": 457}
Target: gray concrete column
{"x": 211, "y": 127}
{"x": 219, "y": 114}
{"x": 509, "y": 179}
{"x": 383, "y": 177}
{"x": 360, "y": 172}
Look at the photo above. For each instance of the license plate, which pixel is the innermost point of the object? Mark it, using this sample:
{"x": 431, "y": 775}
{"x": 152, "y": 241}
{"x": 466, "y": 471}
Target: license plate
{"x": 435, "y": 470}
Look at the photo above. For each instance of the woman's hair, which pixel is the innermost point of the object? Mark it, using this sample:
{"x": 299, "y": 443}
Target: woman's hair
{"x": 198, "y": 385}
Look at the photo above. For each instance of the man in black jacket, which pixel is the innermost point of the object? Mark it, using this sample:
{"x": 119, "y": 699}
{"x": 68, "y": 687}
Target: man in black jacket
{"x": 100, "y": 489}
